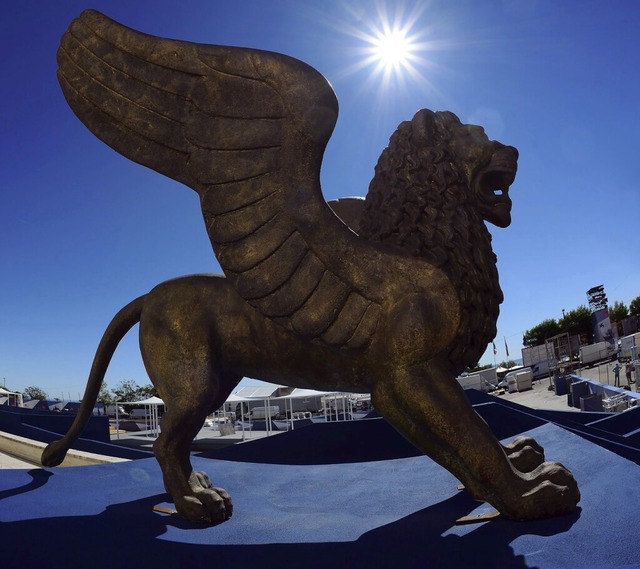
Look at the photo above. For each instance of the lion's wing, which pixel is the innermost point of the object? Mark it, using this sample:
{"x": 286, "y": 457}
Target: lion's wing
{"x": 247, "y": 130}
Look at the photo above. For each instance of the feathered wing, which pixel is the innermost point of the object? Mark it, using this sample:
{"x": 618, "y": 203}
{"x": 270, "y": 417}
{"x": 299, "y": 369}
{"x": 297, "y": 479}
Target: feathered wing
{"x": 247, "y": 130}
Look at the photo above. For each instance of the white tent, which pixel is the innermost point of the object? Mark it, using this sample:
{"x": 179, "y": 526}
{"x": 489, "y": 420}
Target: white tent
{"x": 17, "y": 397}
{"x": 299, "y": 393}
{"x": 268, "y": 394}
{"x": 150, "y": 401}
{"x": 151, "y": 405}
{"x": 253, "y": 394}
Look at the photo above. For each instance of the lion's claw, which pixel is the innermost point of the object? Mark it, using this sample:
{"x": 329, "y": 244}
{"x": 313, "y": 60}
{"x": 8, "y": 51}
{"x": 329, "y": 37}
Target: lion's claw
{"x": 523, "y": 441}
{"x": 524, "y": 453}
{"x": 203, "y": 479}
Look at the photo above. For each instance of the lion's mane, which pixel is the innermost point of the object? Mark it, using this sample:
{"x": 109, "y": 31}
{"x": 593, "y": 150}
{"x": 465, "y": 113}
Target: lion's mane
{"x": 419, "y": 200}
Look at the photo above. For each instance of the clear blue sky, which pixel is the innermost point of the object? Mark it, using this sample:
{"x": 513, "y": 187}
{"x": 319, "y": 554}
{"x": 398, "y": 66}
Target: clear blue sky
{"x": 83, "y": 231}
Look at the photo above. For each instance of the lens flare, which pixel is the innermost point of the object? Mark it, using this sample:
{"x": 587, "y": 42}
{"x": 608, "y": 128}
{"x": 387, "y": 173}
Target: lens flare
{"x": 392, "y": 49}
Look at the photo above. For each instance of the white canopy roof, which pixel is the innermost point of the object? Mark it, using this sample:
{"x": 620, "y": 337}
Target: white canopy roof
{"x": 260, "y": 393}
{"x": 150, "y": 401}
{"x": 250, "y": 392}
{"x": 299, "y": 393}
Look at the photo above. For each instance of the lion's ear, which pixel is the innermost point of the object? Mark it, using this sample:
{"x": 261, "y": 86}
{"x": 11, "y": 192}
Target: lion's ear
{"x": 424, "y": 125}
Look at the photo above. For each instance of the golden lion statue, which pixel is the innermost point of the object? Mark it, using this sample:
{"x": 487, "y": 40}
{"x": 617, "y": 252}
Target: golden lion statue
{"x": 397, "y": 305}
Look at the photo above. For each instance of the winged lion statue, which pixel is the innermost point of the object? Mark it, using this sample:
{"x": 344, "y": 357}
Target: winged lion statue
{"x": 393, "y": 295}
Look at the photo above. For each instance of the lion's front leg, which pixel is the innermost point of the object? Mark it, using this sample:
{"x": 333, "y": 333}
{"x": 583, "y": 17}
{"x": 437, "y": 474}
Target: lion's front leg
{"x": 429, "y": 407}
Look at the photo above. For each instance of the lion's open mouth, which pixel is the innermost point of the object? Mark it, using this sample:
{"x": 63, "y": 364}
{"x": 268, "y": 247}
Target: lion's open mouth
{"x": 492, "y": 186}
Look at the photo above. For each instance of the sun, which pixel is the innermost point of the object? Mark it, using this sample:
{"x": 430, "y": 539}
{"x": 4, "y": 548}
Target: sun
{"x": 391, "y": 49}
{"x": 392, "y": 45}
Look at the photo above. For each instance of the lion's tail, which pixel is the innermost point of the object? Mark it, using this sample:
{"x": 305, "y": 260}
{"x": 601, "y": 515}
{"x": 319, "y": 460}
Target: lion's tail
{"x": 122, "y": 322}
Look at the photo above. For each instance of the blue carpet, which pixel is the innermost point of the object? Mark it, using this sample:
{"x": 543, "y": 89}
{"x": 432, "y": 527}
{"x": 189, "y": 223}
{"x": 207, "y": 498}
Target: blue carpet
{"x": 384, "y": 513}
{"x": 604, "y": 429}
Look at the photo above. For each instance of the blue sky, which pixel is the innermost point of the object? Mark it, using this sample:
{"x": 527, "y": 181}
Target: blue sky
{"x": 83, "y": 230}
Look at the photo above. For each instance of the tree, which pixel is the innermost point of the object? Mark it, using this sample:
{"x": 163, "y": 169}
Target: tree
{"x": 126, "y": 390}
{"x": 543, "y": 331}
{"x": 618, "y": 312}
{"x": 35, "y": 392}
{"x": 634, "y": 306}
{"x": 578, "y": 322}
{"x": 147, "y": 391}
{"x": 105, "y": 396}
{"x": 508, "y": 364}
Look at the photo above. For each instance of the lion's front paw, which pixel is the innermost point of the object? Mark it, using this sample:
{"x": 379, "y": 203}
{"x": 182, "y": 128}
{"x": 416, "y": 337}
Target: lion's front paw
{"x": 549, "y": 490}
{"x": 525, "y": 454}
{"x": 205, "y": 503}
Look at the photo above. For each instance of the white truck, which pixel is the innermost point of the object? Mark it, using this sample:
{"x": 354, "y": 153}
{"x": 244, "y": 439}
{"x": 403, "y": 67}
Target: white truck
{"x": 537, "y": 359}
{"x": 629, "y": 346}
{"x": 596, "y": 353}
{"x": 483, "y": 380}
{"x": 519, "y": 380}
{"x": 263, "y": 412}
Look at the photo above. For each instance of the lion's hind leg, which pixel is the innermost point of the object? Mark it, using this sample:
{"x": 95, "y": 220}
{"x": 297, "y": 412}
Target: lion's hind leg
{"x": 195, "y": 497}
{"x": 178, "y": 343}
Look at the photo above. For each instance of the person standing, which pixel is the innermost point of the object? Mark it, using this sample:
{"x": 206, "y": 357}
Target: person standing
{"x": 616, "y": 374}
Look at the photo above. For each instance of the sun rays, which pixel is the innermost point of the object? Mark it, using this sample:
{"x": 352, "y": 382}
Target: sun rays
{"x": 391, "y": 46}
{"x": 391, "y": 51}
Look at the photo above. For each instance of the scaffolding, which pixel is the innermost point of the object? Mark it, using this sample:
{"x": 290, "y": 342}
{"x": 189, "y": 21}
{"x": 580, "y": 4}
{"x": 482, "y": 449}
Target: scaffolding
{"x": 560, "y": 355}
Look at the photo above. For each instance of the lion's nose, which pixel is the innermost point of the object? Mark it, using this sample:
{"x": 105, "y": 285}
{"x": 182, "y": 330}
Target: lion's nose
{"x": 509, "y": 152}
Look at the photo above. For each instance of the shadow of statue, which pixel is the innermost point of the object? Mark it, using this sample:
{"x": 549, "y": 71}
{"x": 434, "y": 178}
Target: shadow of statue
{"x": 39, "y": 478}
{"x": 131, "y": 530}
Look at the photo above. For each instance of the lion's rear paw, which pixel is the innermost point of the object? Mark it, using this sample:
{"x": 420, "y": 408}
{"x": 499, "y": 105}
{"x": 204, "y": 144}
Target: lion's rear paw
{"x": 203, "y": 479}
{"x": 206, "y": 503}
{"x": 205, "y": 506}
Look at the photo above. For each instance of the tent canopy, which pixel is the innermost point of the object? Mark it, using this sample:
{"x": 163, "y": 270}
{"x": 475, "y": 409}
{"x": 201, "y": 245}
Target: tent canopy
{"x": 260, "y": 393}
{"x": 299, "y": 393}
{"x": 150, "y": 401}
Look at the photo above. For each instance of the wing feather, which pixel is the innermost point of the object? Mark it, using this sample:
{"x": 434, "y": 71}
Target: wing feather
{"x": 287, "y": 299}
{"x": 322, "y": 307}
{"x": 244, "y": 254}
{"x": 269, "y": 275}
{"x": 236, "y": 224}
{"x": 345, "y": 325}
{"x": 246, "y": 129}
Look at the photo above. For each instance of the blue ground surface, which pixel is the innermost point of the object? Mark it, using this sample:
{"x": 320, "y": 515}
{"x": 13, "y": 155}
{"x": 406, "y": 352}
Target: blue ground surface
{"x": 356, "y": 507}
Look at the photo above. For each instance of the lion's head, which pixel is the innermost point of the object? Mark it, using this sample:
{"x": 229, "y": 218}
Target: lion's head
{"x": 489, "y": 167}
{"x": 434, "y": 186}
